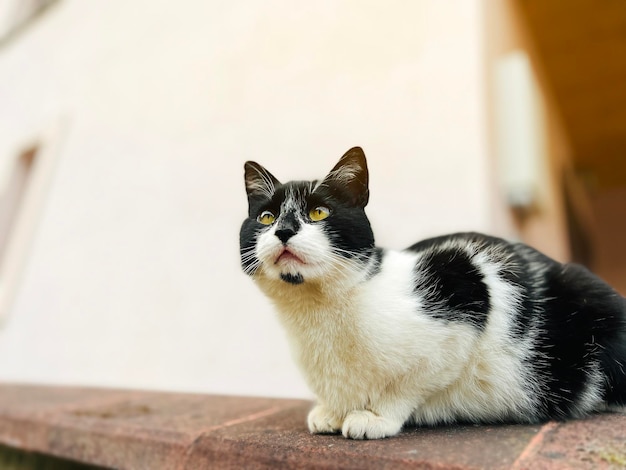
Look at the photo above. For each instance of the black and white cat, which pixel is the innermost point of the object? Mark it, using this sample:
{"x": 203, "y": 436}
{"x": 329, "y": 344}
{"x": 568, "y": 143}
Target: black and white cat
{"x": 463, "y": 327}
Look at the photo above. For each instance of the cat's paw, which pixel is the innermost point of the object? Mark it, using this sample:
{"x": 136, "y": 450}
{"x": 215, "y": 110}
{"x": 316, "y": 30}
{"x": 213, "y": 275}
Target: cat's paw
{"x": 363, "y": 424}
{"x": 323, "y": 421}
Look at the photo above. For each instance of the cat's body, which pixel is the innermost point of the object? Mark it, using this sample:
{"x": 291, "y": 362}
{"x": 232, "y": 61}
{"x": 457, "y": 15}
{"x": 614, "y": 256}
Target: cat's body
{"x": 463, "y": 327}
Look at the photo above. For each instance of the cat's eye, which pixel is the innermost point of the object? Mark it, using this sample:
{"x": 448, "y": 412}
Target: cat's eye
{"x": 319, "y": 213}
{"x": 266, "y": 218}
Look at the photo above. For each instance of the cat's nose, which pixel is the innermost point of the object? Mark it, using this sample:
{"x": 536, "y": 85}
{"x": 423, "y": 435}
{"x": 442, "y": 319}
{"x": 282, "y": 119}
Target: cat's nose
{"x": 287, "y": 227}
{"x": 284, "y": 234}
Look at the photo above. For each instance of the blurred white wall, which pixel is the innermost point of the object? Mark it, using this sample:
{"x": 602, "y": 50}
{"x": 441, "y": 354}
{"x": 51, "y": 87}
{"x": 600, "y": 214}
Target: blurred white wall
{"x": 133, "y": 278}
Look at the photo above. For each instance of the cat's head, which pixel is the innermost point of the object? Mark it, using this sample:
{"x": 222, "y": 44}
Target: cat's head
{"x": 307, "y": 231}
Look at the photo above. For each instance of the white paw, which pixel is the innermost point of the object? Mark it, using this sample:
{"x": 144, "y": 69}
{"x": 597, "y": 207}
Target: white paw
{"x": 362, "y": 424}
{"x": 323, "y": 421}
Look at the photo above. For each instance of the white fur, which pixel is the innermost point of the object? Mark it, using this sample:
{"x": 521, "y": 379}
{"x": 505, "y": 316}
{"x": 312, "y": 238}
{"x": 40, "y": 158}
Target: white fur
{"x": 375, "y": 359}
{"x": 591, "y": 398}
{"x": 344, "y": 174}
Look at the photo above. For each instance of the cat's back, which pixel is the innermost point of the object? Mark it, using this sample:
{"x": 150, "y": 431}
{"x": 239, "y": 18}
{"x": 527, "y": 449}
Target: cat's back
{"x": 462, "y": 241}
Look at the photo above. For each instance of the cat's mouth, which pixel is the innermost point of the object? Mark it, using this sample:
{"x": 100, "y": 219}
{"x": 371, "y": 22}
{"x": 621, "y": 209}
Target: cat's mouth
{"x": 286, "y": 256}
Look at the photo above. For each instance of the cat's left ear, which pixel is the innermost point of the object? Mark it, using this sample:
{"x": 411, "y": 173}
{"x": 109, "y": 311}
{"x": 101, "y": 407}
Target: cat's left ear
{"x": 351, "y": 173}
{"x": 259, "y": 181}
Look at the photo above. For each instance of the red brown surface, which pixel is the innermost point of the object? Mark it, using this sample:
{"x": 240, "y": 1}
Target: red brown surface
{"x": 136, "y": 430}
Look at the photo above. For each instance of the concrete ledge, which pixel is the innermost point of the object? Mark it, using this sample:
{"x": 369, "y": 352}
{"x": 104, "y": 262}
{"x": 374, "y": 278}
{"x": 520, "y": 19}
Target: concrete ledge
{"x": 139, "y": 430}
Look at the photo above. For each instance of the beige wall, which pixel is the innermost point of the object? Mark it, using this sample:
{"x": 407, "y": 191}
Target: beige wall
{"x": 133, "y": 275}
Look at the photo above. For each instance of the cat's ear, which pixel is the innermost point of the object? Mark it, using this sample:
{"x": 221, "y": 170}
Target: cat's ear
{"x": 351, "y": 173}
{"x": 259, "y": 181}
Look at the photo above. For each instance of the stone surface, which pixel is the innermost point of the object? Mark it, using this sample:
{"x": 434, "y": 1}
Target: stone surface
{"x": 136, "y": 430}
{"x": 120, "y": 429}
{"x": 598, "y": 442}
{"x": 281, "y": 439}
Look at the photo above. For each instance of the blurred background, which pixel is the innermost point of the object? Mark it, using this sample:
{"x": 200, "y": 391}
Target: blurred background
{"x": 124, "y": 126}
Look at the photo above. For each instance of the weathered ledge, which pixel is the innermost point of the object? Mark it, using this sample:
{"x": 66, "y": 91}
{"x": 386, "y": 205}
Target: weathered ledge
{"x": 157, "y": 430}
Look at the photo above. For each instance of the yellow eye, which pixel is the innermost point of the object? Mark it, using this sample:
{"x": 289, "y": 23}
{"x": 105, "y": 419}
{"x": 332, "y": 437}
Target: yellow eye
{"x": 319, "y": 213}
{"x": 266, "y": 218}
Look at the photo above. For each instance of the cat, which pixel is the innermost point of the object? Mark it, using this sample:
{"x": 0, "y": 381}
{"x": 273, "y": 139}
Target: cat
{"x": 458, "y": 328}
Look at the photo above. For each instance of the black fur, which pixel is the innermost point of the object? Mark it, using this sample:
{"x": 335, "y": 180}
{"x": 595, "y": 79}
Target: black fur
{"x": 348, "y": 228}
{"x": 452, "y": 287}
{"x": 583, "y": 320}
{"x": 294, "y": 279}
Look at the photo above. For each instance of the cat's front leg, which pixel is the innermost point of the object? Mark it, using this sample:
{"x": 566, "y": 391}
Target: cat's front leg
{"x": 322, "y": 420}
{"x": 365, "y": 424}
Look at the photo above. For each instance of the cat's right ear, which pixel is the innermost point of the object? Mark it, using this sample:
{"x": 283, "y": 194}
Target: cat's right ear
{"x": 259, "y": 181}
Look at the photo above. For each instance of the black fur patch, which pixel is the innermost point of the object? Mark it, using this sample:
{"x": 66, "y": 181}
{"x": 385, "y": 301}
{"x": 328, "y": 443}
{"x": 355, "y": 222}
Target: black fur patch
{"x": 292, "y": 278}
{"x": 452, "y": 287}
{"x": 584, "y": 329}
{"x": 247, "y": 242}
{"x": 348, "y": 227}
